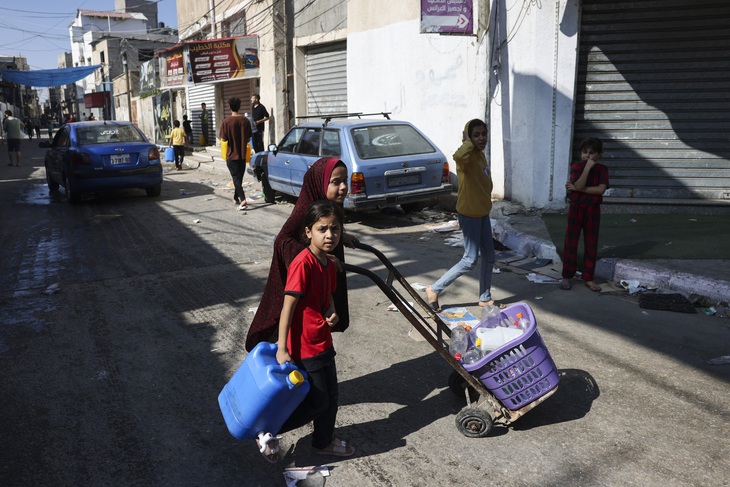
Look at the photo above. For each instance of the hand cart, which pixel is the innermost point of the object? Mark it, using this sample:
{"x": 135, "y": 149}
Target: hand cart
{"x": 499, "y": 388}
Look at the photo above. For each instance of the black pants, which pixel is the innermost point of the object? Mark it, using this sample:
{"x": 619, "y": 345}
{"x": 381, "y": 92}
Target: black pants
{"x": 258, "y": 141}
{"x": 237, "y": 169}
{"x": 179, "y": 151}
{"x": 320, "y": 404}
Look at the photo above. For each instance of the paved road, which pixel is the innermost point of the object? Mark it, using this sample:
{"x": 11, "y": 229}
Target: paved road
{"x": 113, "y": 379}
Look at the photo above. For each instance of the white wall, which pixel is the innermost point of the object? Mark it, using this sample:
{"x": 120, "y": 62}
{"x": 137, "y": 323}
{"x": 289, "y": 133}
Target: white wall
{"x": 438, "y": 83}
{"x": 532, "y": 101}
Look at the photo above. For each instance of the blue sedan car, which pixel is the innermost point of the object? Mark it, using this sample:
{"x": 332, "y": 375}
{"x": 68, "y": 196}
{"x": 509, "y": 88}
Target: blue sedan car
{"x": 389, "y": 162}
{"x": 87, "y": 157}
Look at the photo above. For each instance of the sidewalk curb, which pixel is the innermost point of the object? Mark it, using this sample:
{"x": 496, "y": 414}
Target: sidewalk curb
{"x": 648, "y": 274}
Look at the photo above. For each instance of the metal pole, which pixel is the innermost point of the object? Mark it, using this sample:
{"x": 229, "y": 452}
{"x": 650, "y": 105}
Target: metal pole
{"x": 126, "y": 76}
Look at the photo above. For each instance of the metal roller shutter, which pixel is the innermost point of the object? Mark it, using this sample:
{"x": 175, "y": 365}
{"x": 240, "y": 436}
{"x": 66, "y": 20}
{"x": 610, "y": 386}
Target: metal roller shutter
{"x": 197, "y": 94}
{"x": 240, "y": 89}
{"x": 327, "y": 79}
{"x": 654, "y": 84}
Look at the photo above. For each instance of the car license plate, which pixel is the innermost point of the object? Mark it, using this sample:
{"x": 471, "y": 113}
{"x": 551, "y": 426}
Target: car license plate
{"x": 396, "y": 181}
{"x": 116, "y": 159}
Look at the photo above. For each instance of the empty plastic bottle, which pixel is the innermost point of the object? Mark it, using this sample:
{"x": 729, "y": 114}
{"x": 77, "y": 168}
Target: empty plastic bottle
{"x": 474, "y": 354}
{"x": 490, "y": 316}
{"x": 459, "y": 341}
{"x": 522, "y": 323}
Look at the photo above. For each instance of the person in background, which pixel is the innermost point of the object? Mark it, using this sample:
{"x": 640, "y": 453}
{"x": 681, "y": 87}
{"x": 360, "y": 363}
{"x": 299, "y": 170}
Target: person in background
{"x": 36, "y": 127}
{"x": 473, "y": 204}
{"x": 177, "y": 142}
{"x": 305, "y": 330}
{"x": 28, "y": 124}
{"x": 13, "y": 127}
{"x": 188, "y": 129}
{"x": 236, "y": 131}
{"x": 588, "y": 182}
{"x": 204, "y": 123}
{"x": 260, "y": 117}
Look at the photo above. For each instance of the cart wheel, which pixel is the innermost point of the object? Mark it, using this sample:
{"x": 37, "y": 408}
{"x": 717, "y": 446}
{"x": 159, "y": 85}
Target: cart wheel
{"x": 474, "y": 422}
{"x": 457, "y": 384}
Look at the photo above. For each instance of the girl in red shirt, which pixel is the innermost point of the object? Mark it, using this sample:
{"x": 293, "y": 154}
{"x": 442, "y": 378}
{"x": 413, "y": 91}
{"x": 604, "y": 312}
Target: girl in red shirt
{"x": 305, "y": 328}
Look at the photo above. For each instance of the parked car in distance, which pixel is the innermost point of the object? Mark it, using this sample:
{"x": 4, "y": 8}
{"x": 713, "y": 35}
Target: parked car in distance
{"x": 87, "y": 157}
{"x": 389, "y": 162}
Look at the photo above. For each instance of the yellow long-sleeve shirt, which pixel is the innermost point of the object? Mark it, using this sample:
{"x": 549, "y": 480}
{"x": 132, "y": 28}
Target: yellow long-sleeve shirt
{"x": 475, "y": 183}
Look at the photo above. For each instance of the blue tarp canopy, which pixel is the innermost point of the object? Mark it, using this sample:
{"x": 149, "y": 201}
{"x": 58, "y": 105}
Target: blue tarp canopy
{"x": 48, "y": 77}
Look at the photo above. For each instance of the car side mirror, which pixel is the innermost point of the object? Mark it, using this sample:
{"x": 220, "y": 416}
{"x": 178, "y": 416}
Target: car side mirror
{"x": 273, "y": 148}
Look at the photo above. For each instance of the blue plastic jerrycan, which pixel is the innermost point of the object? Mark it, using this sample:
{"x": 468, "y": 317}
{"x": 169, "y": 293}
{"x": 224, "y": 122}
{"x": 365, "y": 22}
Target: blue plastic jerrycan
{"x": 262, "y": 393}
{"x": 169, "y": 154}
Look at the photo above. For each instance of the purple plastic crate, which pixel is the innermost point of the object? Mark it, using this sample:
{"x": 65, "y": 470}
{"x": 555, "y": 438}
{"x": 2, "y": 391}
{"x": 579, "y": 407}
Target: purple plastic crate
{"x": 520, "y": 371}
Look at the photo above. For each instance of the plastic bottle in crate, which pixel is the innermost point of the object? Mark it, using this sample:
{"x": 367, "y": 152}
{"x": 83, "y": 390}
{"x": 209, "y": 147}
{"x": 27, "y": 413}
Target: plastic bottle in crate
{"x": 474, "y": 354}
{"x": 522, "y": 323}
{"x": 490, "y": 315}
{"x": 459, "y": 341}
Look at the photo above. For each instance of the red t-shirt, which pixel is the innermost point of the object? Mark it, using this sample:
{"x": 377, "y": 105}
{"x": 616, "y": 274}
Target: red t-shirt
{"x": 596, "y": 176}
{"x": 313, "y": 283}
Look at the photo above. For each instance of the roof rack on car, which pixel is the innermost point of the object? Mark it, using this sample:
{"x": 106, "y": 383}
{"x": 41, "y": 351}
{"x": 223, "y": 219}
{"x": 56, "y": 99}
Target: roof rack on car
{"x": 329, "y": 116}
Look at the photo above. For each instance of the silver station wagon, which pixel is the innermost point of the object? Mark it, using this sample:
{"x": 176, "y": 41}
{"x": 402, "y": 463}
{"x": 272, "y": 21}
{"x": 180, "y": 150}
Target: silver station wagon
{"x": 388, "y": 162}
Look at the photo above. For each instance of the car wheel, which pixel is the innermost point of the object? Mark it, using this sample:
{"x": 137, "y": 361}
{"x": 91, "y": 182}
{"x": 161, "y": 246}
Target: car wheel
{"x": 269, "y": 193}
{"x": 52, "y": 184}
{"x": 154, "y": 190}
{"x": 72, "y": 193}
{"x": 413, "y": 207}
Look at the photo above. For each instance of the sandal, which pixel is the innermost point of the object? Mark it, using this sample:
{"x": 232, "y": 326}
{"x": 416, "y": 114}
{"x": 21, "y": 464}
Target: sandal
{"x": 434, "y": 305}
{"x": 492, "y": 302}
{"x": 593, "y": 286}
{"x": 338, "y": 448}
{"x": 243, "y": 207}
{"x": 270, "y": 450}
{"x": 565, "y": 285}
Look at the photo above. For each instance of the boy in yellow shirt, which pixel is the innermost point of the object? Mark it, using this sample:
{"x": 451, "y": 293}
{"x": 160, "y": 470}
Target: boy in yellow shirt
{"x": 178, "y": 142}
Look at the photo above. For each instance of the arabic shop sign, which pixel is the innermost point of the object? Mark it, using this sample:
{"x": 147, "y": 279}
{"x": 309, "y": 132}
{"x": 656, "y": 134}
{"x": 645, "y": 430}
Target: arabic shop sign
{"x": 222, "y": 59}
{"x": 447, "y": 17}
{"x": 172, "y": 67}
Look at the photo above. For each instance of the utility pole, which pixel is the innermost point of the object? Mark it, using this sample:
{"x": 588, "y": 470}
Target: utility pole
{"x": 282, "y": 46}
{"x": 125, "y": 61}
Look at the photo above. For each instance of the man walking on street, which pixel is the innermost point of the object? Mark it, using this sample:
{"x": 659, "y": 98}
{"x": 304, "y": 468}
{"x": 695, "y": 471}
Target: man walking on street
{"x": 260, "y": 116}
{"x": 12, "y": 127}
{"x": 204, "y": 123}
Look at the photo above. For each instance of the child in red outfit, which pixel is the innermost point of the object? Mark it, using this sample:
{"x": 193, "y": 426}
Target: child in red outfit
{"x": 588, "y": 182}
{"x": 307, "y": 318}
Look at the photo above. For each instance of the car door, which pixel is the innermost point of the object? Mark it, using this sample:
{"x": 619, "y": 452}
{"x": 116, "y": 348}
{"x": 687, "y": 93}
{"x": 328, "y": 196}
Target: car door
{"x": 56, "y": 155}
{"x": 278, "y": 161}
{"x": 306, "y": 154}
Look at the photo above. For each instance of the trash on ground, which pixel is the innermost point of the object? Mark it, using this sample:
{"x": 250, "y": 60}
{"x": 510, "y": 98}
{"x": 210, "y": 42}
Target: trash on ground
{"x": 53, "y": 288}
{"x": 313, "y": 475}
{"x": 632, "y": 286}
{"x": 196, "y": 221}
{"x": 447, "y": 227}
{"x": 541, "y": 279}
{"x": 725, "y": 359}
{"x": 418, "y": 286}
{"x": 253, "y": 309}
{"x": 496, "y": 270}
{"x": 538, "y": 298}
{"x": 454, "y": 241}
{"x": 708, "y": 311}
{"x": 668, "y": 302}
{"x": 393, "y": 307}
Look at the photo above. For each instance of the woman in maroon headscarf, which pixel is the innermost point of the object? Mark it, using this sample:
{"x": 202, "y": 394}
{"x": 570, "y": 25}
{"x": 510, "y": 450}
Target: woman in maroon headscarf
{"x": 326, "y": 179}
